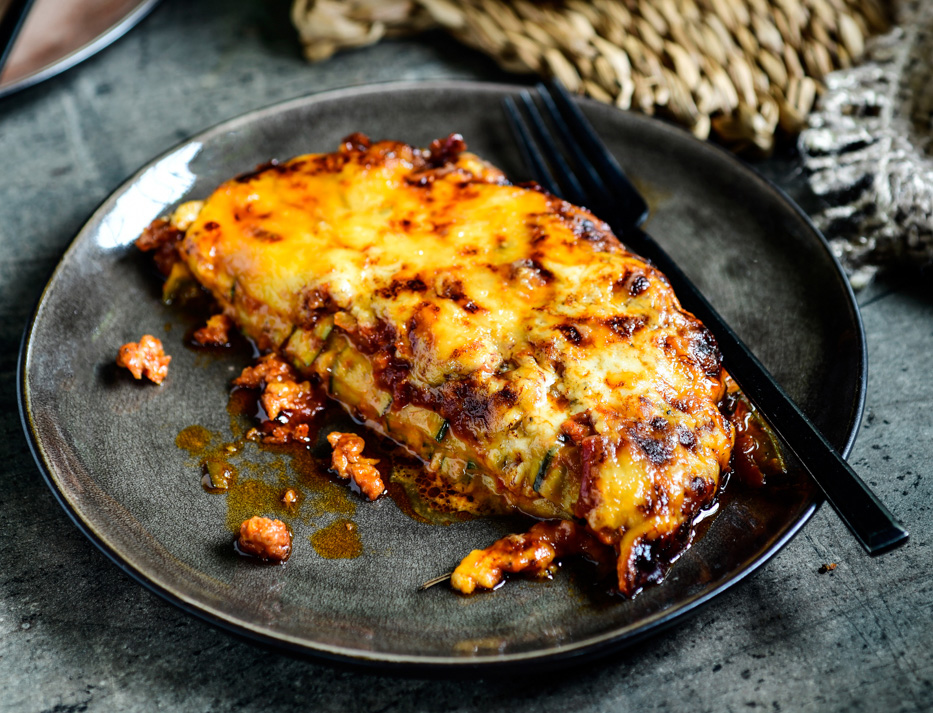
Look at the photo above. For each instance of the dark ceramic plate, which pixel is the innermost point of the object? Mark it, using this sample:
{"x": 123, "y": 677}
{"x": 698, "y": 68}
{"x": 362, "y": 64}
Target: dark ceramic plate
{"x": 107, "y": 445}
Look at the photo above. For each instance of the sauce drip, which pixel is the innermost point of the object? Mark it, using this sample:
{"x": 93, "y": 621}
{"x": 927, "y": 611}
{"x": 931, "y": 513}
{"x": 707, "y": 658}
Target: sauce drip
{"x": 756, "y": 455}
{"x": 309, "y": 473}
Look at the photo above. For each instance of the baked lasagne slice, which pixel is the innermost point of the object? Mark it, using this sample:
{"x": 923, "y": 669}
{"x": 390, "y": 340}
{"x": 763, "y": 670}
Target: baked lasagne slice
{"x": 503, "y": 335}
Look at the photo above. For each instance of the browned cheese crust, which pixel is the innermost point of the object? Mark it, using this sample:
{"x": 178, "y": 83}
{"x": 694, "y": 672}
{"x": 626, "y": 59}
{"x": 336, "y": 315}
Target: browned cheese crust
{"x": 502, "y": 334}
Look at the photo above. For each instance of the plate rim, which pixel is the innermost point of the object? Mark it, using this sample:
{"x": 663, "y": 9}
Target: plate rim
{"x": 85, "y": 51}
{"x": 563, "y": 656}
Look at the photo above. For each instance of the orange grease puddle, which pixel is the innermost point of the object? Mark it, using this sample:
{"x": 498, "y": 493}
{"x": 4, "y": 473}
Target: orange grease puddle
{"x": 256, "y": 497}
{"x": 193, "y": 439}
{"x": 256, "y": 484}
{"x": 339, "y": 540}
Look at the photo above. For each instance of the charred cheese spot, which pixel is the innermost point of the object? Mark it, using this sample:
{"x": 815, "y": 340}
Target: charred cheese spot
{"x": 626, "y": 325}
{"x": 263, "y": 235}
{"x": 571, "y": 333}
{"x": 638, "y": 285}
{"x": 397, "y": 286}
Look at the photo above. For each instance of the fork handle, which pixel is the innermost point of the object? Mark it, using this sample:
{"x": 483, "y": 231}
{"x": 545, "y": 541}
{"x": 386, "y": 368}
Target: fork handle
{"x": 865, "y": 515}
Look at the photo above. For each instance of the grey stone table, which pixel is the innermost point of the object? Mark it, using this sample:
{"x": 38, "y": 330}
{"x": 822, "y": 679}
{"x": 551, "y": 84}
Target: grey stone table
{"x": 77, "y": 635}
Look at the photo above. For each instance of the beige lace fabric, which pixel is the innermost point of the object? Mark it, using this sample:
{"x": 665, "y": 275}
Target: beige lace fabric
{"x": 741, "y": 71}
{"x": 869, "y": 151}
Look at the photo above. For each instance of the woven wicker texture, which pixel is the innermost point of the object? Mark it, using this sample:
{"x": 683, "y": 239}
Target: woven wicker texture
{"x": 739, "y": 70}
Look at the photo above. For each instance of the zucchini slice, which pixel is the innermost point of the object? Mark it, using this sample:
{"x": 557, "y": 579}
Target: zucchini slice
{"x": 416, "y": 425}
{"x": 306, "y": 345}
{"x": 555, "y": 481}
{"x": 352, "y": 382}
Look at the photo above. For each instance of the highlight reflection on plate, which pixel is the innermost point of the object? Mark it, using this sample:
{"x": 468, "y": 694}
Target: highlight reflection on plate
{"x": 107, "y": 446}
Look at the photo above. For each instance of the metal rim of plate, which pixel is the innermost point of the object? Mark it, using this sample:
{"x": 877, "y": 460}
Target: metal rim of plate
{"x": 561, "y": 658}
{"x": 103, "y": 40}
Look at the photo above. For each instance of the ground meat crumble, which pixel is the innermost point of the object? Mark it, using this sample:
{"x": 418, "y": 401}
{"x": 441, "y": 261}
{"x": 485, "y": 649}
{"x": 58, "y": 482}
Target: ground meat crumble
{"x": 269, "y": 368}
{"x": 534, "y": 552}
{"x": 145, "y": 358}
{"x": 289, "y": 404}
{"x": 266, "y": 539}
{"x": 348, "y": 462}
{"x": 216, "y": 333}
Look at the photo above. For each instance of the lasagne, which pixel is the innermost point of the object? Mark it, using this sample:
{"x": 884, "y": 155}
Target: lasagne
{"x": 504, "y": 336}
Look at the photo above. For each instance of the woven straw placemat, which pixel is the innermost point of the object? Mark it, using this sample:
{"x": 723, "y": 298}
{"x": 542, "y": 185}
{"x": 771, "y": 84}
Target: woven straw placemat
{"x": 741, "y": 71}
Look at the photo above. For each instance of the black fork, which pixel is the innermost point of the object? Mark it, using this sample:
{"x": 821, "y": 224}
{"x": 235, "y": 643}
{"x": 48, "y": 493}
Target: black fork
{"x": 593, "y": 178}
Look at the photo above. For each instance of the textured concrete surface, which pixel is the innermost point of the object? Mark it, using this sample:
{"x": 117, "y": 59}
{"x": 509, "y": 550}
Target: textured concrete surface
{"x": 78, "y": 635}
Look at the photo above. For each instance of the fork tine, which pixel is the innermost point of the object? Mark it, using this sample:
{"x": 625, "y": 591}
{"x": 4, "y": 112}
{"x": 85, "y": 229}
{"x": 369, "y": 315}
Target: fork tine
{"x": 530, "y": 154}
{"x": 597, "y": 194}
{"x": 572, "y": 189}
{"x": 634, "y": 208}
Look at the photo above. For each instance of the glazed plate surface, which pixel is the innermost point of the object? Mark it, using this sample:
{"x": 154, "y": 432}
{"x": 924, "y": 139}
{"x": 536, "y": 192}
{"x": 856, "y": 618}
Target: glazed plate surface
{"x": 106, "y": 444}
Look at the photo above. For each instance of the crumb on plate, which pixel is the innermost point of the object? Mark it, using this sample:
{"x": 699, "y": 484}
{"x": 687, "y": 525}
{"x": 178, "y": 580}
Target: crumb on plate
{"x": 216, "y": 333}
{"x": 145, "y": 358}
{"x": 266, "y": 539}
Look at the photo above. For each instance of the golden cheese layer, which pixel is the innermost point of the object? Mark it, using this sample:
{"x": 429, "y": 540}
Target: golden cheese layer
{"x": 497, "y": 331}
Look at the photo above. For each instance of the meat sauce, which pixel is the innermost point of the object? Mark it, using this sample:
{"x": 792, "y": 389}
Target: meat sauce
{"x": 307, "y": 484}
{"x": 292, "y": 478}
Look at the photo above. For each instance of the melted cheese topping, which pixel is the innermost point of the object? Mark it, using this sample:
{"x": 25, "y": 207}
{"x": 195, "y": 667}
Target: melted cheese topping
{"x": 514, "y": 315}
